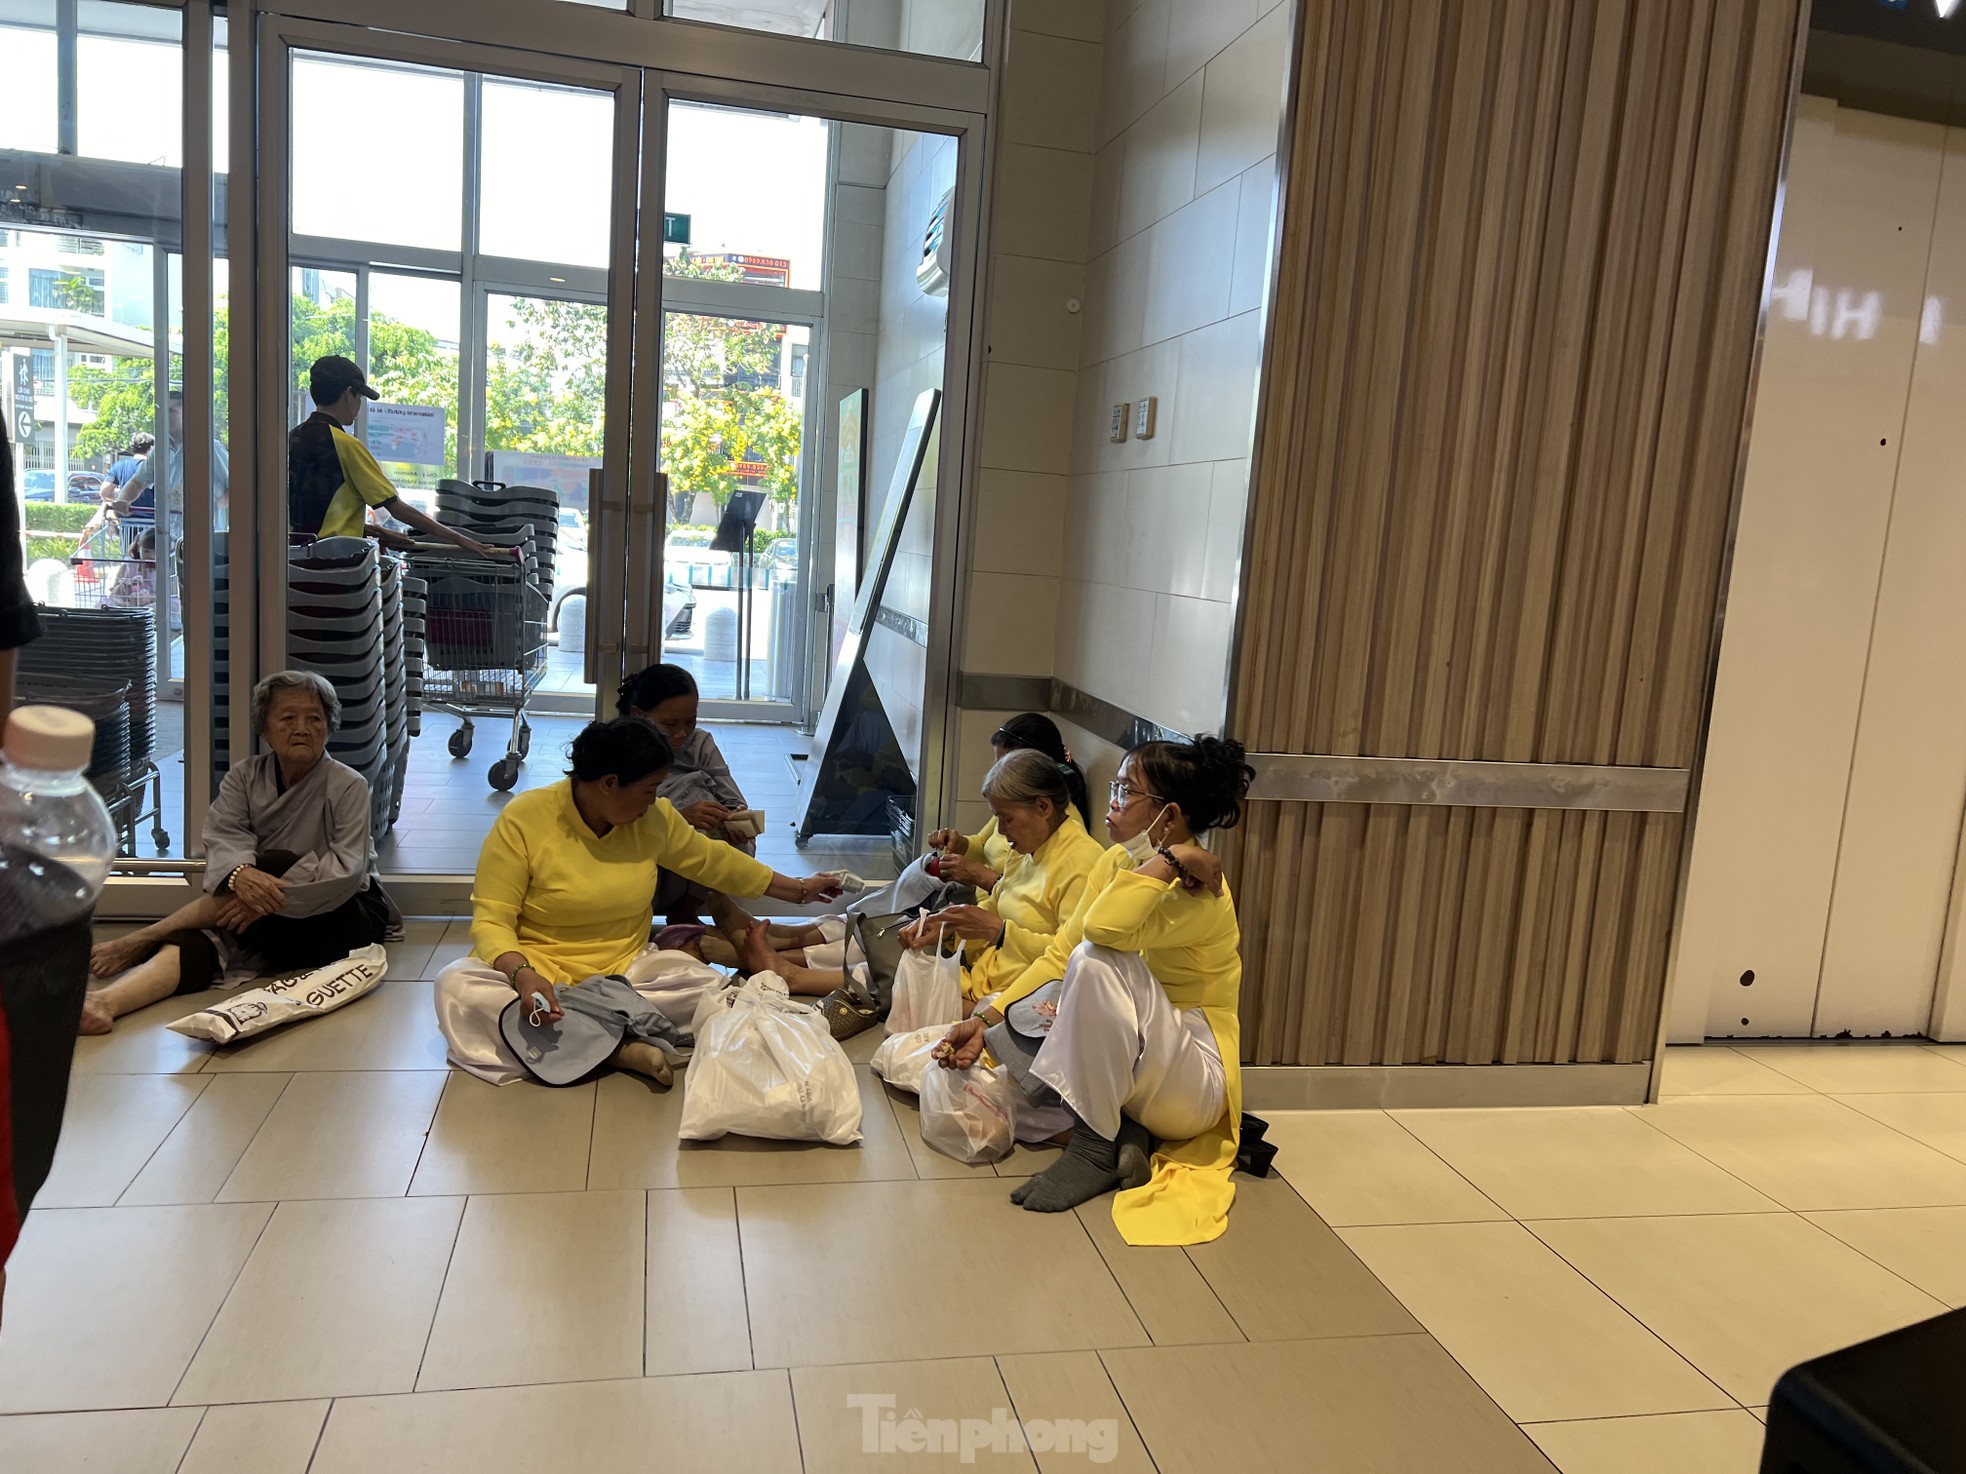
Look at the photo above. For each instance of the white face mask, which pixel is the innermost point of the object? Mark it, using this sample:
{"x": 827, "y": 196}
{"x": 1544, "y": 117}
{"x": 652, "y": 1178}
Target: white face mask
{"x": 1140, "y": 848}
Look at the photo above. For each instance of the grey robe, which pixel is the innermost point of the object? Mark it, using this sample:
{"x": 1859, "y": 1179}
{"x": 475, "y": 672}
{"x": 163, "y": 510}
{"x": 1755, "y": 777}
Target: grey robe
{"x": 700, "y": 773}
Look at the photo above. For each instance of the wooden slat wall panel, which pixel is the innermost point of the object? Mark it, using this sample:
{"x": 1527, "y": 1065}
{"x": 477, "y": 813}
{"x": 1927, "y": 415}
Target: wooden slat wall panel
{"x": 1513, "y": 331}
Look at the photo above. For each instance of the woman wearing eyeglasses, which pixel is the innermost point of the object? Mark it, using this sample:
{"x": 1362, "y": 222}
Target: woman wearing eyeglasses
{"x": 1126, "y": 1029}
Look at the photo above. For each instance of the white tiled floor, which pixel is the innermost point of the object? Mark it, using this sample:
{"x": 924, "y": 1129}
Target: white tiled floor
{"x": 326, "y": 1252}
{"x": 1667, "y": 1262}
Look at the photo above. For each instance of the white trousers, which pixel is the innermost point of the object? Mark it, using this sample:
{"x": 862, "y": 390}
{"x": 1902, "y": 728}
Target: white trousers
{"x": 1120, "y": 1048}
{"x": 836, "y": 950}
{"x": 471, "y": 995}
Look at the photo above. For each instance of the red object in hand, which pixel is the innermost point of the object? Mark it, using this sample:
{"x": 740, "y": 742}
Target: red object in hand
{"x": 934, "y": 866}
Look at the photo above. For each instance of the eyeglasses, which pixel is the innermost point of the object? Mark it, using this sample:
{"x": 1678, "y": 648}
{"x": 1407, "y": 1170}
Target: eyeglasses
{"x": 1124, "y": 794}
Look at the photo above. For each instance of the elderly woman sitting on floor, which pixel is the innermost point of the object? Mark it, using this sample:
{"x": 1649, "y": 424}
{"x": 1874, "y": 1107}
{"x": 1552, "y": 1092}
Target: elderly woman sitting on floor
{"x": 289, "y": 870}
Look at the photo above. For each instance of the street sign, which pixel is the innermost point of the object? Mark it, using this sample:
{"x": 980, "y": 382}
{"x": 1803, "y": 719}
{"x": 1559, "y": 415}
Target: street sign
{"x": 675, "y": 229}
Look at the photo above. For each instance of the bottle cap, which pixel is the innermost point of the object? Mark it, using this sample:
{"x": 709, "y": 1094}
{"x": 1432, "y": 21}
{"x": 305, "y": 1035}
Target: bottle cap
{"x": 51, "y": 739}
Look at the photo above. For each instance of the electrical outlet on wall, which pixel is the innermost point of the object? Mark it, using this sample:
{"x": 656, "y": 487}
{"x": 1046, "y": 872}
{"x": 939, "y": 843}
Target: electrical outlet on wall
{"x": 1143, "y": 425}
{"x": 1122, "y": 417}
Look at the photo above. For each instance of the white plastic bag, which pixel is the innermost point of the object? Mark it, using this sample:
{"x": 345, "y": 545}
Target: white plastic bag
{"x": 969, "y": 1114}
{"x": 768, "y": 1066}
{"x": 928, "y": 990}
{"x": 287, "y": 1000}
{"x": 901, "y": 1058}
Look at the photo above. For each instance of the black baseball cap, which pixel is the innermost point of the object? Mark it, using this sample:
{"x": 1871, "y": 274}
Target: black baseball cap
{"x": 334, "y": 376}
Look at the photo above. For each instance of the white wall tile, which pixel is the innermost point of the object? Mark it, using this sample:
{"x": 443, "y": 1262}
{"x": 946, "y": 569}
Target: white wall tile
{"x": 1135, "y": 67}
{"x": 1170, "y": 512}
{"x": 1108, "y": 529}
{"x": 1101, "y": 761}
{"x": 1105, "y": 641}
{"x": 861, "y": 204}
{"x": 1214, "y": 408}
{"x": 1199, "y": 29}
{"x": 1043, "y": 202}
{"x": 1159, "y": 174}
{"x": 866, "y": 154}
{"x": 1082, "y": 20}
{"x": 1243, "y": 108}
{"x": 1187, "y": 284}
{"x": 1030, "y": 320}
{"x": 1116, "y": 301}
{"x": 850, "y": 359}
{"x": 1027, "y": 418}
{"x": 1103, "y": 212}
{"x": 1020, "y": 523}
{"x": 856, "y": 301}
{"x": 1051, "y": 91}
{"x": 1227, "y": 506}
{"x": 1255, "y": 233}
{"x": 1012, "y": 628}
{"x": 1189, "y": 672}
{"x": 1152, "y": 370}
{"x": 974, "y": 728}
{"x": 856, "y": 250}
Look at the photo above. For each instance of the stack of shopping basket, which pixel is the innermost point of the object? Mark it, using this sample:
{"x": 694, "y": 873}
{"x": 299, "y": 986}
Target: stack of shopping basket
{"x": 336, "y": 628}
{"x": 506, "y": 517}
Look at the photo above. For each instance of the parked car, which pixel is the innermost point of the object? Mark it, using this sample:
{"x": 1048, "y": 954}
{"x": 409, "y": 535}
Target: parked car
{"x": 688, "y": 556}
{"x": 781, "y": 560}
{"x": 37, "y": 486}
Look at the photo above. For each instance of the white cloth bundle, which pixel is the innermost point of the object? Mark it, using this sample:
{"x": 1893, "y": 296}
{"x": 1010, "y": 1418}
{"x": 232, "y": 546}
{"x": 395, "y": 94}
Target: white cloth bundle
{"x": 286, "y": 1000}
{"x": 768, "y": 1066}
{"x": 901, "y": 1058}
{"x": 970, "y": 1114}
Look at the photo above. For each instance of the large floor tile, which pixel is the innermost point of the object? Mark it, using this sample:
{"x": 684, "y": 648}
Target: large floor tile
{"x": 1924, "y": 1245}
{"x": 1743, "y": 1298}
{"x": 339, "y": 1136}
{"x": 1364, "y": 1167}
{"x": 1855, "y": 1068}
{"x": 854, "y": 1272}
{"x": 1285, "y": 1276}
{"x": 1061, "y": 1389}
{"x": 455, "y": 945}
{"x": 204, "y": 1147}
{"x": 740, "y": 1421}
{"x": 111, "y": 1126}
{"x": 1692, "y": 1443}
{"x": 518, "y": 1138}
{"x": 256, "y": 1438}
{"x": 1176, "y": 1305}
{"x": 143, "y": 1044}
{"x": 909, "y": 1414}
{"x": 1809, "y": 1152}
{"x": 1714, "y": 1069}
{"x": 1542, "y": 1340}
{"x": 147, "y": 1441}
{"x": 1391, "y": 1403}
{"x": 106, "y": 1306}
{"x": 635, "y": 1145}
{"x": 336, "y": 1301}
{"x": 574, "y": 1315}
{"x": 1938, "y": 1119}
{"x": 392, "y": 1028}
{"x": 697, "y": 1319}
{"x": 1579, "y": 1163}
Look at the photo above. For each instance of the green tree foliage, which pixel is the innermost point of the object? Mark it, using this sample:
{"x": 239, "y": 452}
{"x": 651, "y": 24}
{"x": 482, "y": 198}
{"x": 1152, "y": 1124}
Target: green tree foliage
{"x": 546, "y": 389}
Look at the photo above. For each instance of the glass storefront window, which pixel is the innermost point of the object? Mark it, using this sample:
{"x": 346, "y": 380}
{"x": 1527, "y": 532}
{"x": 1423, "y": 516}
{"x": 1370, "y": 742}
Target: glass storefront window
{"x": 378, "y": 152}
{"x": 548, "y": 160}
{"x": 129, "y": 84}
{"x": 30, "y": 97}
{"x": 413, "y": 347}
{"x": 754, "y": 187}
{"x": 952, "y": 28}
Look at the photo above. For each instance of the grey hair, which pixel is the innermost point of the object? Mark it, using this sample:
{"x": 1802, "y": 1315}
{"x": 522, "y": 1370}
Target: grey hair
{"x": 1025, "y": 775}
{"x": 294, "y": 680}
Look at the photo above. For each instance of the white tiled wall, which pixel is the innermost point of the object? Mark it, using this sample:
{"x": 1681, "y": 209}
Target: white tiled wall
{"x": 1179, "y": 237}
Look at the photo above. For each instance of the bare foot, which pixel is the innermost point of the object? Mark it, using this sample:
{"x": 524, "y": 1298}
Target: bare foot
{"x": 644, "y": 1059}
{"x": 756, "y": 955}
{"x": 118, "y": 955}
{"x": 96, "y": 1018}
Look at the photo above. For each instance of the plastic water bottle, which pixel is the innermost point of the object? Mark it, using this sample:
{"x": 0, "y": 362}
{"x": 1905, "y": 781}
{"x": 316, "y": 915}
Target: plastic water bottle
{"x": 56, "y": 845}
{"x": 56, "y": 841}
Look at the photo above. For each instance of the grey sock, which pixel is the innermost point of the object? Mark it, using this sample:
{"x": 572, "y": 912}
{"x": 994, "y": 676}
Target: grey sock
{"x": 1088, "y": 1168}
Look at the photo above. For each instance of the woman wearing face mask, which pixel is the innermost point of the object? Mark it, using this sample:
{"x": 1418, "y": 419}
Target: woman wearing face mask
{"x": 1140, "y": 1038}
{"x": 1035, "y": 805}
{"x": 562, "y": 894}
{"x": 699, "y": 785}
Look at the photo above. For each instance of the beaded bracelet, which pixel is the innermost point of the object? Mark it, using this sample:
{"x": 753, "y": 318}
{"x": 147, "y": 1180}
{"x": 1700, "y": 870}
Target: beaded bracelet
{"x": 1180, "y": 871}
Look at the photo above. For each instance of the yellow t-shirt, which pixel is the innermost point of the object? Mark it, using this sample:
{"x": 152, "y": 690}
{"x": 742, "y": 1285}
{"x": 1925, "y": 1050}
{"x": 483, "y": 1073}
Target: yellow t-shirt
{"x": 991, "y": 847}
{"x": 332, "y": 480}
{"x": 1036, "y": 896}
{"x": 576, "y": 903}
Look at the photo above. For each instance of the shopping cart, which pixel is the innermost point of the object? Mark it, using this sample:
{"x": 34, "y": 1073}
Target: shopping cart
{"x": 114, "y": 566}
{"x": 485, "y": 643}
